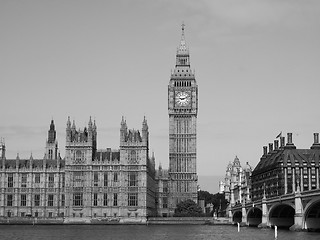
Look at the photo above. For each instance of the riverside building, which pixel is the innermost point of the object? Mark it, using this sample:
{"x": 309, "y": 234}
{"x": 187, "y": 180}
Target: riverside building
{"x": 284, "y": 169}
{"x": 87, "y": 184}
{"x": 237, "y": 183}
{"x": 91, "y": 184}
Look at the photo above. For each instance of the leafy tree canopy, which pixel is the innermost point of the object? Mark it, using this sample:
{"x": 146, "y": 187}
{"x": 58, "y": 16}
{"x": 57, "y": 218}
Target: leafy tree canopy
{"x": 218, "y": 200}
{"x": 188, "y": 208}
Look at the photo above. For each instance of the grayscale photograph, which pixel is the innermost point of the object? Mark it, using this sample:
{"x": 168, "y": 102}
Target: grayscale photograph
{"x": 160, "y": 119}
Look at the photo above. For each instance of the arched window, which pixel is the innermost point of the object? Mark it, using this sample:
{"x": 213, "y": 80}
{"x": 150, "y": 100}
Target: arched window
{"x": 79, "y": 156}
{"x": 50, "y": 154}
{"x": 133, "y": 156}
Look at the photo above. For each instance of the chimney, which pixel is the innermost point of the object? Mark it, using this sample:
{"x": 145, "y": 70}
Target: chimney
{"x": 265, "y": 150}
{"x": 282, "y": 140}
{"x": 289, "y": 139}
{"x": 316, "y": 138}
{"x": 316, "y": 144}
{"x": 276, "y": 144}
{"x": 270, "y": 147}
{"x": 289, "y": 145}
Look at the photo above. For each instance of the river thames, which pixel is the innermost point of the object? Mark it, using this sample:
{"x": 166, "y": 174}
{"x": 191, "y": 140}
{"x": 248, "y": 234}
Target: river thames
{"x": 153, "y": 232}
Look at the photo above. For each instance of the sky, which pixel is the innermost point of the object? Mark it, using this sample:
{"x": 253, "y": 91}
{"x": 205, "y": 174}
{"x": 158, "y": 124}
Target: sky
{"x": 256, "y": 64}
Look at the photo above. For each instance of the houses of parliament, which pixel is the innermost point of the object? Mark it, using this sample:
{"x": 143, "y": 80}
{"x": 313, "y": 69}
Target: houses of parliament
{"x": 90, "y": 184}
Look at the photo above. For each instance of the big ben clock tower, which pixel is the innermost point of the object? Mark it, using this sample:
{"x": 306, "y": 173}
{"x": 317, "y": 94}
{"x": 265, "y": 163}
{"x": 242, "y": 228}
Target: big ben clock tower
{"x": 182, "y": 109}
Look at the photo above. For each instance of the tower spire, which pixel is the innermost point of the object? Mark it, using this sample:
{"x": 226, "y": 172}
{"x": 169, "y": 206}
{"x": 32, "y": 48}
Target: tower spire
{"x": 182, "y": 47}
{"x": 182, "y": 57}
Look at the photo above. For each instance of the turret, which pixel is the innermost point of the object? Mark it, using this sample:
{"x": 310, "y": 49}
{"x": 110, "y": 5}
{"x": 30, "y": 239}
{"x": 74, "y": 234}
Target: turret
{"x": 52, "y": 133}
{"x": 94, "y": 132}
{"x": 153, "y": 161}
{"x": 68, "y": 130}
{"x": 94, "y": 129}
{"x": 90, "y": 124}
{"x": 51, "y": 144}
{"x": 123, "y": 130}
{"x": 2, "y": 149}
{"x": 73, "y": 128}
{"x": 90, "y": 130}
{"x": 145, "y": 131}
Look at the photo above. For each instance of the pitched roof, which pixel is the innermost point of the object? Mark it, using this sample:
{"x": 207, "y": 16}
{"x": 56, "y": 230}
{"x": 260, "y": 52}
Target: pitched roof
{"x": 287, "y": 157}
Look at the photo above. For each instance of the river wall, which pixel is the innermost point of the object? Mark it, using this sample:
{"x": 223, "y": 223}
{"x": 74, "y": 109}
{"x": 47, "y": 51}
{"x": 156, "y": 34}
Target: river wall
{"x": 113, "y": 221}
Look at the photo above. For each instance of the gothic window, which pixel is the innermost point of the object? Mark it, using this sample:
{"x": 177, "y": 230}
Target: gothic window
{"x": 24, "y": 180}
{"x": 50, "y": 153}
{"x": 37, "y": 200}
{"x": 50, "y": 200}
{"x": 51, "y": 180}
{"x": 95, "y": 199}
{"x": 132, "y": 199}
{"x": 37, "y": 178}
{"x": 95, "y": 179}
{"x": 63, "y": 181}
{"x": 77, "y": 177}
{"x": 133, "y": 179}
{"x": 105, "y": 199}
{"x": 133, "y": 157}
{"x": 115, "y": 177}
{"x": 165, "y": 202}
{"x": 10, "y": 180}
{"x": 165, "y": 187}
{"x": 23, "y": 200}
{"x": 79, "y": 157}
{"x": 105, "y": 180}
{"x": 115, "y": 199}
{"x": 77, "y": 199}
{"x": 9, "y": 200}
{"x": 63, "y": 200}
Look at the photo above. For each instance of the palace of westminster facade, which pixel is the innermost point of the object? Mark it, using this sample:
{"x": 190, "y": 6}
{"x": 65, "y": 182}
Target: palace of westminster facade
{"x": 123, "y": 184}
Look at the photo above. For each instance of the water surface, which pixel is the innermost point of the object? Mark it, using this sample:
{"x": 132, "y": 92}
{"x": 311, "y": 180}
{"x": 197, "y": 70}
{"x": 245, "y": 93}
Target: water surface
{"x": 151, "y": 232}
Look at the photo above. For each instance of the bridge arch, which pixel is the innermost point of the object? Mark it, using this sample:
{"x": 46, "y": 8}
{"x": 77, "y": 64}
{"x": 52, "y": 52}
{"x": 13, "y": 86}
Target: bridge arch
{"x": 312, "y": 215}
{"x": 282, "y": 215}
{"x": 254, "y": 216}
{"x": 237, "y": 217}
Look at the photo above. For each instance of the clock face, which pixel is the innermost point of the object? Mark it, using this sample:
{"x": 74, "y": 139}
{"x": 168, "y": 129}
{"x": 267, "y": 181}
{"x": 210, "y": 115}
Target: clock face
{"x": 183, "y": 99}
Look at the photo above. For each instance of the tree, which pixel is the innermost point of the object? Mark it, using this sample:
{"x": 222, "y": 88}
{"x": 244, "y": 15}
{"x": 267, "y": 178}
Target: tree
{"x": 218, "y": 200}
{"x": 188, "y": 208}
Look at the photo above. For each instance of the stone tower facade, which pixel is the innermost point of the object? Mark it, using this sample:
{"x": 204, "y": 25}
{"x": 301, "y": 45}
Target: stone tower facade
{"x": 137, "y": 171}
{"x": 79, "y": 156}
{"x": 182, "y": 109}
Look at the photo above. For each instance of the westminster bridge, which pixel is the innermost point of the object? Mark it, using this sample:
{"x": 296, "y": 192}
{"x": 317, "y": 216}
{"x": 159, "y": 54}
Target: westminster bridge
{"x": 297, "y": 211}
